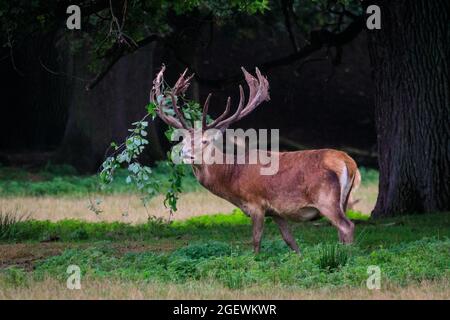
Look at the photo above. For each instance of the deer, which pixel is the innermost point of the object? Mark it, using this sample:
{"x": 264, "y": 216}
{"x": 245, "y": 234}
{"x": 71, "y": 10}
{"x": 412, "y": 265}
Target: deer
{"x": 309, "y": 184}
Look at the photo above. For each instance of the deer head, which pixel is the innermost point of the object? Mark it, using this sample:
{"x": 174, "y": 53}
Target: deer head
{"x": 197, "y": 139}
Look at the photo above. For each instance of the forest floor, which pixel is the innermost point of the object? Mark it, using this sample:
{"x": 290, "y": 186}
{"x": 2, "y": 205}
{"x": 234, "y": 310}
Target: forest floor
{"x": 126, "y": 250}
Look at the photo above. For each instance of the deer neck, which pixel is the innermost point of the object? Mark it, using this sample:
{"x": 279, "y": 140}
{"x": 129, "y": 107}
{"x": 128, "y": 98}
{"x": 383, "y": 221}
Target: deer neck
{"x": 208, "y": 174}
{"x": 217, "y": 177}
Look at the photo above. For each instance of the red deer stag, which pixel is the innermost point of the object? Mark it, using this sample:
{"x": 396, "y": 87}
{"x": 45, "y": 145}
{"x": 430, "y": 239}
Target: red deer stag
{"x": 307, "y": 184}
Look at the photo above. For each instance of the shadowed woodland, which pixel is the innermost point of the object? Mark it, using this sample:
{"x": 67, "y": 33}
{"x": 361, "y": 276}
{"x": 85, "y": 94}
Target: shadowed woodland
{"x": 333, "y": 83}
{"x": 380, "y": 95}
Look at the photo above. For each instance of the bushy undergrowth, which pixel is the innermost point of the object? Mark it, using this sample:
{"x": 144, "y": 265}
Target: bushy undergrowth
{"x": 218, "y": 248}
{"x": 63, "y": 180}
{"x": 9, "y": 223}
{"x": 14, "y": 276}
{"x": 425, "y": 259}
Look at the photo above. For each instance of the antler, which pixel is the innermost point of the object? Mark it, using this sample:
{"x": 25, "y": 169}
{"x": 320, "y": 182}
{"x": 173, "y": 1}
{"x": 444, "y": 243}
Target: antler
{"x": 258, "y": 92}
{"x": 160, "y": 98}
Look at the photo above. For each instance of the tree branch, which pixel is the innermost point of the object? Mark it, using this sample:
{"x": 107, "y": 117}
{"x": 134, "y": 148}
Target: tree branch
{"x": 287, "y": 8}
{"x": 318, "y": 39}
{"x": 119, "y": 53}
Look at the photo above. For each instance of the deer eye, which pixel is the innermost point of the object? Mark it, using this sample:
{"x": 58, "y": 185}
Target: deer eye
{"x": 204, "y": 141}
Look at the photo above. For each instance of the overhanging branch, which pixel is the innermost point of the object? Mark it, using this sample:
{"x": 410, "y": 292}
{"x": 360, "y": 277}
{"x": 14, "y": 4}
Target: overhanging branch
{"x": 318, "y": 40}
{"x": 119, "y": 53}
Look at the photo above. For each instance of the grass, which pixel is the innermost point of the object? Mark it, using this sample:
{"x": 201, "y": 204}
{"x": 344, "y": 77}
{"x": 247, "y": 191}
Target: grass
{"x": 368, "y": 176}
{"x": 56, "y": 193}
{"x": 127, "y": 208}
{"x": 63, "y": 180}
{"x": 332, "y": 257}
{"x": 216, "y": 250}
{"x": 9, "y": 220}
{"x": 94, "y": 288}
{"x": 237, "y": 268}
{"x": 235, "y": 227}
{"x": 142, "y": 255}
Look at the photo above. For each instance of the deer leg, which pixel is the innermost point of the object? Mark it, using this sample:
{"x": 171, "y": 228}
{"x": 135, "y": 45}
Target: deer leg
{"x": 340, "y": 221}
{"x": 286, "y": 234}
{"x": 258, "y": 227}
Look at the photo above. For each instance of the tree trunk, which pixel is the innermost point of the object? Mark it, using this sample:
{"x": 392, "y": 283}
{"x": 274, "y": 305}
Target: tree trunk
{"x": 410, "y": 57}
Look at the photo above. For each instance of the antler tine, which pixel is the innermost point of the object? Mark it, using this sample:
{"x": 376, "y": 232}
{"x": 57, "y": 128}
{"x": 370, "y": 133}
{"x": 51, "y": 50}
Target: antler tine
{"x": 171, "y": 121}
{"x": 224, "y": 123}
{"x": 187, "y": 82}
{"x": 178, "y": 112}
{"x": 155, "y": 94}
{"x": 156, "y": 89}
{"x": 252, "y": 83}
{"x": 259, "y": 91}
{"x": 182, "y": 84}
{"x": 222, "y": 116}
{"x": 205, "y": 111}
{"x": 265, "y": 85}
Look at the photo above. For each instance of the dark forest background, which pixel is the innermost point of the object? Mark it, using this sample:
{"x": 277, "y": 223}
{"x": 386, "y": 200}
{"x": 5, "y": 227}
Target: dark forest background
{"x": 381, "y": 95}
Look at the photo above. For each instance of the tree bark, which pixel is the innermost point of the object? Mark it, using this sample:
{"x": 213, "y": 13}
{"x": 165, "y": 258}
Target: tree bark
{"x": 410, "y": 57}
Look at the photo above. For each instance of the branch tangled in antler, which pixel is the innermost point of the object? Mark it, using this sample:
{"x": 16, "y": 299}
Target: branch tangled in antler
{"x": 258, "y": 92}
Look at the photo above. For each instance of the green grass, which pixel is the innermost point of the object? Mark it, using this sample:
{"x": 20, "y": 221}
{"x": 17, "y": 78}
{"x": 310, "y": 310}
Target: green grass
{"x": 236, "y": 267}
{"x": 235, "y": 227}
{"x": 63, "y": 180}
{"x": 9, "y": 221}
{"x": 217, "y": 248}
{"x": 369, "y": 176}
{"x": 333, "y": 256}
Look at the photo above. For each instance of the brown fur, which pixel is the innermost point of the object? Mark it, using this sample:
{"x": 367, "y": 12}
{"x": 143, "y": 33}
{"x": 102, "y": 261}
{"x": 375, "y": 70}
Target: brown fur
{"x": 306, "y": 185}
